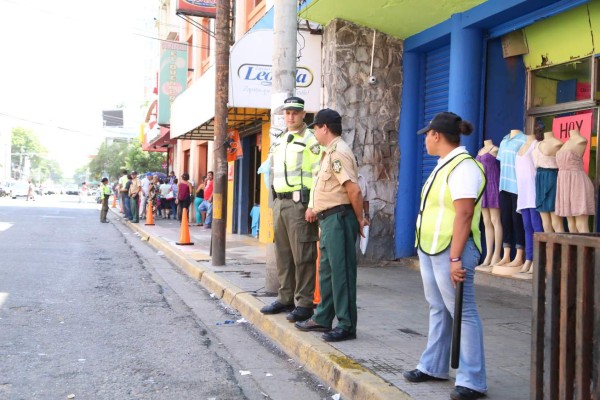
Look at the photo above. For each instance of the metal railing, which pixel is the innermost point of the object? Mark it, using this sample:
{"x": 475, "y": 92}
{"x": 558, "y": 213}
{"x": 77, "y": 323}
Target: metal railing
{"x": 565, "y": 336}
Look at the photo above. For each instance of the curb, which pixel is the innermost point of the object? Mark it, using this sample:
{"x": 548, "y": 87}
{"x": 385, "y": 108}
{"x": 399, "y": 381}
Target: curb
{"x": 349, "y": 378}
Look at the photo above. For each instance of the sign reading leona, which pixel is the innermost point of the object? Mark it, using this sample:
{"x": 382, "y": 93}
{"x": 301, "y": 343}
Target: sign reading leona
{"x": 262, "y": 73}
{"x": 251, "y": 59}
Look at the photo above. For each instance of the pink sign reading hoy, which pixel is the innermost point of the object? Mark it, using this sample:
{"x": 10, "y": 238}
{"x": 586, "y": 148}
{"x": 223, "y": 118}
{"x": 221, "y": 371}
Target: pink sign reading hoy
{"x": 581, "y": 122}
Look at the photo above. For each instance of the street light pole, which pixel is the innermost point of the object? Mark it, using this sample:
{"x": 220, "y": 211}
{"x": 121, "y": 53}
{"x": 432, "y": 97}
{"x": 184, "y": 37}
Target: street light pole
{"x": 219, "y": 224}
{"x": 284, "y": 85}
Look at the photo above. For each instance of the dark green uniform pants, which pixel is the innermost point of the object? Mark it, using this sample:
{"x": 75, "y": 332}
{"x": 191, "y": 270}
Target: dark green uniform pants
{"x": 337, "y": 271}
{"x": 296, "y": 253}
{"x": 104, "y": 209}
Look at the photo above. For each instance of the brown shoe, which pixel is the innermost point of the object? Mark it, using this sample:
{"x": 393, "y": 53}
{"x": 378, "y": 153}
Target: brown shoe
{"x": 311, "y": 326}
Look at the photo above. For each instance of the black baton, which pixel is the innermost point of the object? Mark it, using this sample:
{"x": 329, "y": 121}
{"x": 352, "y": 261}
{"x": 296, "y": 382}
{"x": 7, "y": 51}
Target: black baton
{"x": 456, "y": 325}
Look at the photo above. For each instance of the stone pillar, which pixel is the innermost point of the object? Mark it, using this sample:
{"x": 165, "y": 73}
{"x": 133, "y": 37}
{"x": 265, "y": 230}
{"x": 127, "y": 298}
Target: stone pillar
{"x": 370, "y": 115}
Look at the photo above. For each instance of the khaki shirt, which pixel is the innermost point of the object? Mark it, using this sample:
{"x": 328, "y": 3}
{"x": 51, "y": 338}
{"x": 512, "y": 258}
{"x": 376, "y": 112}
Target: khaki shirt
{"x": 337, "y": 166}
{"x": 136, "y": 187}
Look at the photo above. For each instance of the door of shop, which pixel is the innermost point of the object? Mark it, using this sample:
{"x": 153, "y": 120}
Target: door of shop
{"x": 435, "y": 100}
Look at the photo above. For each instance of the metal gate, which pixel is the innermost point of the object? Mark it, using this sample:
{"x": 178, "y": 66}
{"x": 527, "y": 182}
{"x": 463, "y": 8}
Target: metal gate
{"x": 435, "y": 99}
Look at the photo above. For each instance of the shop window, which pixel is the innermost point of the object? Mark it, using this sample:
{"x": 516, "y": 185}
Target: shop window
{"x": 563, "y": 83}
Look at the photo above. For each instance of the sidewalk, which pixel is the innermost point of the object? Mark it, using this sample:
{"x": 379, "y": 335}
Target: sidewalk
{"x": 392, "y": 320}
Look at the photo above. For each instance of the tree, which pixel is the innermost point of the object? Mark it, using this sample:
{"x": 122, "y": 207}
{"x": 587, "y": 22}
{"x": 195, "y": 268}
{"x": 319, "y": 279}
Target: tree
{"x": 109, "y": 161}
{"x": 144, "y": 161}
{"x": 28, "y": 157}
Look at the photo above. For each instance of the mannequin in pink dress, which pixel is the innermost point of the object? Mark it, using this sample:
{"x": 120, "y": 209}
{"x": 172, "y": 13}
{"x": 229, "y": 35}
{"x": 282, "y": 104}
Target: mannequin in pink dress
{"x": 575, "y": 190}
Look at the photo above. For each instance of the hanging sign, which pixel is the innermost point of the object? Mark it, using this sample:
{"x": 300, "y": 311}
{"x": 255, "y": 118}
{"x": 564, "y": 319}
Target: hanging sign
{"x": 581, "y": 122}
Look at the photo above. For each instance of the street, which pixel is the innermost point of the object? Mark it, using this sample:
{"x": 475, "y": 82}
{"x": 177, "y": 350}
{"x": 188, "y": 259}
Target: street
{"x": 88, "y": 313}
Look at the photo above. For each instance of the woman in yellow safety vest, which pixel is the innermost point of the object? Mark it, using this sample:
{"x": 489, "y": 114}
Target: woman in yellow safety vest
{"x": 449, "y": 247}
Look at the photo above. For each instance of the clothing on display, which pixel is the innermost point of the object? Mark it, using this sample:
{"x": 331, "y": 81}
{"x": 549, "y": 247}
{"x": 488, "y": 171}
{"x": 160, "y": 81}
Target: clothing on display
{"x": 491, "y": 167}
{"x": 574, "y": 189}
{"x": 507, "y": 152}
{"x": 526, "y": 173}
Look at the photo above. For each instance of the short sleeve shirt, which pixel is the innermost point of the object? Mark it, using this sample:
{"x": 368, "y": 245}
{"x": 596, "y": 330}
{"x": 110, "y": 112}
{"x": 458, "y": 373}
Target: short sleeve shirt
{"x": 507, "y": 153}
{"x": 337, "y": 167}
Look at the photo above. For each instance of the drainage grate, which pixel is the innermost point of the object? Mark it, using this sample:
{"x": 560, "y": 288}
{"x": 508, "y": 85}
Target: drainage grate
{"x": 381, "y": 366}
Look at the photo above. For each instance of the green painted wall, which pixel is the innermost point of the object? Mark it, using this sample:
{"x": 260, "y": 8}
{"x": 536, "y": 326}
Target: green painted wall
{"x": 563, "y": 37}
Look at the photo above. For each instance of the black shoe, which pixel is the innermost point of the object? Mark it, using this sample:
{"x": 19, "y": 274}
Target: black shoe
{"x": 104, "y": 222}
{"x": 416, "y": 376}
{"x": 464, "y": 393}
{"x": 276, "y": 307}
{"x": 299, "y": 314}
{"x": 311, "y": 326}
{"x": 338, "y": 335}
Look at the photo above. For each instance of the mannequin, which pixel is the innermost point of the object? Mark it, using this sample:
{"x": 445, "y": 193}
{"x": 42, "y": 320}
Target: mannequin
{"x": 512, "y": 222}
{"x": 532, "y": 222}
{"x": 544, "y": 158}
{"x": 490, "y": 205}
{"x": 575, "y": 190}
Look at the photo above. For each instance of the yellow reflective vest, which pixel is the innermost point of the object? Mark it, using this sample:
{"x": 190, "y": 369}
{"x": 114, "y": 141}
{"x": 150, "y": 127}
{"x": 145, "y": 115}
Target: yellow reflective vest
{"x": 295, "y": 161}
{"x": 435, "y": 221}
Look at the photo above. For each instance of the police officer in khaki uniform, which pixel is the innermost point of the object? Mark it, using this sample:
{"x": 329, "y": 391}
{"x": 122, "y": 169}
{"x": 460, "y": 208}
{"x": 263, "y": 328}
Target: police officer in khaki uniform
{"x": 338, "y": 204}
{"x": 295, "y": 158}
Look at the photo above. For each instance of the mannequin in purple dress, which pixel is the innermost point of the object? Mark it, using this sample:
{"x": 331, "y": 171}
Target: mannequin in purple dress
{"x": 490, "y": 205}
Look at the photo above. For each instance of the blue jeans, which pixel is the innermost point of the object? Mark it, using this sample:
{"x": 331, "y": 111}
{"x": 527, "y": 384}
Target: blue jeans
{"x": 197, "y": 202}
{"x": 532, "y": 222}
{"x": 207, "y": 207}
{"x": 435, "y": 360}
{"x": 126, "y": 205}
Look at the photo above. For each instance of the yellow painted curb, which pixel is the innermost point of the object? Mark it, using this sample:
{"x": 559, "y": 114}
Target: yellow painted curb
{"x": 348, "y": 378}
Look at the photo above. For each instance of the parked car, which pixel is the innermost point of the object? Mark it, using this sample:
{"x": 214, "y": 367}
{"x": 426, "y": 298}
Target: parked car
{"x": 19, "y": 189}
{"x": 72, "y": 189}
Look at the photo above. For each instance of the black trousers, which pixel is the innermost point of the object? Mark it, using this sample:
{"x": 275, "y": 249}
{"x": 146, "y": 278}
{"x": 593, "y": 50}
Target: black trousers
{"x": 512, "y": 222}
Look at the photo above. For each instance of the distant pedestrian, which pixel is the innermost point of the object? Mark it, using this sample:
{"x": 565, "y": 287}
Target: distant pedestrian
{"x": 174, "y": 189}
{"x": 134, "y": 197}
{"x": 104, "y": 195}
{"x": 83, "y": 192}
{"x": 30, "y": 191}
{"x": 206, "y": 206}
{"x": 171, "y": 178}
{"x": 144, "y": 193}
{"x": 338, "y": 204}
{"x": 123, "y": 192}
{"x": 448, "y": 242}
{"x": 166, "y": 197}
{"x": 184, "y": 195}
{"x": 198, "y": 200}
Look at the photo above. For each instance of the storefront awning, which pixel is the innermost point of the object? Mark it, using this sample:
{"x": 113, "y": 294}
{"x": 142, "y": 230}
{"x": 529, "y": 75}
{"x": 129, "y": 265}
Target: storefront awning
{"x": 192, "y": 113}
{"x": 398, "y": 18}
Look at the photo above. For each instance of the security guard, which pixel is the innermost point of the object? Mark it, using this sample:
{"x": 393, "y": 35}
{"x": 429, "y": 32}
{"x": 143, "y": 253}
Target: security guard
{"x": 104, "y": 195}
{"x": 295, "y": 159}
{"x": 338, "y": 204}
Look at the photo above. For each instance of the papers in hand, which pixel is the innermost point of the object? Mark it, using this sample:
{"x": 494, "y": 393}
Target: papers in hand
{"x": 364, "y": 240}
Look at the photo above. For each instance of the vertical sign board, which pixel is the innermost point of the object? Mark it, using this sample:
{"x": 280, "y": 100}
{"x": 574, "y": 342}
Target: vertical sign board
{"x": 172, "y": 78}
{"x": 581, "y": 122}
{"x": 197, "y": 8}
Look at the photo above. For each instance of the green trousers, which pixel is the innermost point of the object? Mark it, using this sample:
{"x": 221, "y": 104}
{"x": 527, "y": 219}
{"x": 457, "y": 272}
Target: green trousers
{"x": 337, "y": 271}
{"x": 295, "y": 252}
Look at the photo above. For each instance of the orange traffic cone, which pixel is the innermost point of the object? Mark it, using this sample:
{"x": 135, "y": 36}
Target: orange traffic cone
{"x": 317, "y": 296}
{"x": 184, "y": 233}
{"x": 149, "y": 214}
{"x": 114, "y": 204}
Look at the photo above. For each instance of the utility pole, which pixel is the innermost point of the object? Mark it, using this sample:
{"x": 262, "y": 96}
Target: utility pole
{"x": 285, "y": 25}
{"x": 219, "y": 224}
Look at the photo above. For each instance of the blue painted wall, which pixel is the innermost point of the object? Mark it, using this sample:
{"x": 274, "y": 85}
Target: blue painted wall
{"x": 505, "y": 93}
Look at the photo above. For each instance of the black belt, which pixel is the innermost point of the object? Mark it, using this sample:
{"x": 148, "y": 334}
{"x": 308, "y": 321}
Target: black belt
{"x": 334, "y": 210}
{"x": 286, "y": 195}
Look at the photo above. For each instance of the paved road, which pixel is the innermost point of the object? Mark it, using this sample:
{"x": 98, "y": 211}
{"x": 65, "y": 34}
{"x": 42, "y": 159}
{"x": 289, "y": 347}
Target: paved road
{"x": 87, "y": 311}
